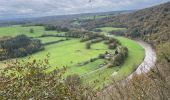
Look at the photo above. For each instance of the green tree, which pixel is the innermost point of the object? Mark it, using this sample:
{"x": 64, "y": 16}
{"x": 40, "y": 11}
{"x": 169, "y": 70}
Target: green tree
{"x": 31, "y": 30}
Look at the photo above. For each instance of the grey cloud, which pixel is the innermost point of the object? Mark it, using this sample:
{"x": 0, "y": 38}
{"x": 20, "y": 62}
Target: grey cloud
{"x": 34, "y": 8}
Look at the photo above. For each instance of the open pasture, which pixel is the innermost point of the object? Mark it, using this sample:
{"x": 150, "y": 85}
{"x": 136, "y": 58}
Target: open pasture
{"x": 72, "y": 52}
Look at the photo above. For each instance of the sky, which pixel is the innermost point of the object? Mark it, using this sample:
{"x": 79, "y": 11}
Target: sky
{"x": 37, "y": 8}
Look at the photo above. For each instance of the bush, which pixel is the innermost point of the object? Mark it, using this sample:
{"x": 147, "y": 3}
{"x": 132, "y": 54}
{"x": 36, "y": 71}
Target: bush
{"x": 88, "y": 45}
{"x": 31, "y": 30}
{"x": 118, "y": 60}
{"x": 101, "y": 56}
{"x": 93, "y": 59}
{"x": 112, "y": 46}
{"x": 120, "y": 55}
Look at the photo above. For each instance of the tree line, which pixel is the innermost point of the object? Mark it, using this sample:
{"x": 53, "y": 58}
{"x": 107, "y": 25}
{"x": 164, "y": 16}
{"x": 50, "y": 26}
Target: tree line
{"x": 19, "y": 46}
{"x": 56, "y": 28}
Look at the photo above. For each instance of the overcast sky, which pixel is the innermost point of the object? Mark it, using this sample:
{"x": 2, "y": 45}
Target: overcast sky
{"x": 36, "y": 8}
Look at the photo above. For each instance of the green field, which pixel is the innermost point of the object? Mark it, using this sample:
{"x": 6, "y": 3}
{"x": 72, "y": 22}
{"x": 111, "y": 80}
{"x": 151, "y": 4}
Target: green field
{"x": 72, "y": 52}
{"x": 50, "y": 39}
{"x": 69, "y": 53}
{"x": 109, "y": 29}
{"x": 17, "y": 30}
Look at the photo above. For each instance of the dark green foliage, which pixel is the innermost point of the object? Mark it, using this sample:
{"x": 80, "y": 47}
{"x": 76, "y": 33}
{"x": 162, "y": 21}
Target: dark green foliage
{"x": 94, "y": 59}
{"x": 31, "y": 30}
{"x": 112, "y": 46}
{"x": 84, "y": 35}
{"x": 52, "y": 35}
{"x": 101, "y": 56}
{"x": 88, "y": 45}
{"x": 20, "y": 46}
{"x": 56, "y": 28}
{"x": 120, "y": 55}
{"x": 31, "y": 24}
{"x": 112, "y": 40}
{"x": 54, "y": 42}
{"x": 75, "y": 33}
{"x": 118, "y": 32}
{"x": 112, "y": 43}
{"x": 163, "y": 52}
{"x": 118, "y": 60}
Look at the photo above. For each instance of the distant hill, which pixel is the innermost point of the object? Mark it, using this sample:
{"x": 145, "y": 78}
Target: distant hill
{"x": 54, "y": 19}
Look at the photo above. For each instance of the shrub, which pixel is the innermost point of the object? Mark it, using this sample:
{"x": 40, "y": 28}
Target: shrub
{"x": 112, "y": 43}
{"x": 120, "y": 55}
{"x": 101, "y": 56}
{"x": 117, "y": 60}
{"x": 88, "y": 45}
{"x": 31, "y": 30}
{"x": 93, "y": 59}
{"x": 112, "y": 46}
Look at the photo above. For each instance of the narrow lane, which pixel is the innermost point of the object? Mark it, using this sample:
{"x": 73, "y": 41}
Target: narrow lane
{"x": 149, "y": 60}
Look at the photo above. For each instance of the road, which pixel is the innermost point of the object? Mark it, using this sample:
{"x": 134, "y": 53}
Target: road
{"x": 149, "y": 59}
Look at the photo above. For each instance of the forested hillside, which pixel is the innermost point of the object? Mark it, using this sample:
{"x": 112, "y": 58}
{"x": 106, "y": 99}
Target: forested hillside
{"x": 153, "y": 25}
{"x": 151, "y": 22}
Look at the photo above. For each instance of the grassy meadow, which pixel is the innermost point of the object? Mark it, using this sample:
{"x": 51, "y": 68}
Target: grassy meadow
{"x": 50, "y": 39}
{"x": 72, "y": 52}
{"x": 17, "y": 30}
{"x": 109, "y": 29}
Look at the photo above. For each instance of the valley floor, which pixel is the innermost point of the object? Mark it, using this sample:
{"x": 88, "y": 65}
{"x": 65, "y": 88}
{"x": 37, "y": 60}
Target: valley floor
{"x": 70, "y": 53}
